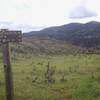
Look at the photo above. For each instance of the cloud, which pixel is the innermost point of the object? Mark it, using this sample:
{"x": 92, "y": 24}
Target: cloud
{"x": 81, "y": 12}
{"x": 38, "y": 13}
{"x": 23, "y": 27}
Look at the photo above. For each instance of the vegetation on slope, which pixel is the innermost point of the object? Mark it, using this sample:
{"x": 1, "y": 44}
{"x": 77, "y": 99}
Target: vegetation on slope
{"x": 72, "y": 81}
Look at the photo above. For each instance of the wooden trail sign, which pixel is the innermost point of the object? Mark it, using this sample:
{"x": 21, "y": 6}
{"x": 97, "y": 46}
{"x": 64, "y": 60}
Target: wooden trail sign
{"x": 10, "y": 36}
{"x": 7, "y": 36}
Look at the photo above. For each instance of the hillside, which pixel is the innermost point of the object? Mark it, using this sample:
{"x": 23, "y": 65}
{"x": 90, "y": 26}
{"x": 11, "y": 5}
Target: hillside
{"x": 45, "y": 46}
{"x": 71, "y": 38}
{"x": 84, "y": 35}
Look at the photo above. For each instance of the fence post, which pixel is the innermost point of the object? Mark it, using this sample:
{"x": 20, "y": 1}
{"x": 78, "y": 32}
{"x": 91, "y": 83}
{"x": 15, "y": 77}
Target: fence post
{"x": 8, "y": 72}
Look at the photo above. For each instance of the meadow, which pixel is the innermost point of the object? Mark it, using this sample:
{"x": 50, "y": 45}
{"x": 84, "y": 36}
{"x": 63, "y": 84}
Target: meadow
{"x": 42, "y": 77}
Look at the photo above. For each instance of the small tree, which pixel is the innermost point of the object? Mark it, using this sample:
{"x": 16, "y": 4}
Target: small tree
{"x": 34, "y": 74}
{"x": 49, "y": 74}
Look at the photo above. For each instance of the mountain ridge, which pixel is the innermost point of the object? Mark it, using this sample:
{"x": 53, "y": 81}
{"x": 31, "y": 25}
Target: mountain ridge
{"x": 73, "y": 38}
{"x": 84, "y": 35}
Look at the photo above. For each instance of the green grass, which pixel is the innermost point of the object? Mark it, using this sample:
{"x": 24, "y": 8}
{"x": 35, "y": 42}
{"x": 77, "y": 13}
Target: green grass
{"x": 81, "y": 73}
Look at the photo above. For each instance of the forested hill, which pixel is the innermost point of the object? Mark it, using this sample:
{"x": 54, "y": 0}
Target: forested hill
{"x": 84, "y": 35}
{"x": 71, "y": 38}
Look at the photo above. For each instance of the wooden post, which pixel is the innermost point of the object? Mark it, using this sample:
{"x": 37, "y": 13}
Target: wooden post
{"x": 8, "y": 72}
{"x": 7, "y": 36}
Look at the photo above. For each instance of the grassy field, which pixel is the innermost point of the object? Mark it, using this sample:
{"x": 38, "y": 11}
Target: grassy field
{"x": 74, "y": 77}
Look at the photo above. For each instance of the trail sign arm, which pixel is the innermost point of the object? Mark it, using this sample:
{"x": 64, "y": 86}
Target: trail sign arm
{"x": 10, "y": 36}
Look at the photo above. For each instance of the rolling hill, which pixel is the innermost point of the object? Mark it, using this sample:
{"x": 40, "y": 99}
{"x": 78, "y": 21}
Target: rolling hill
{"x": 70, "y": 38}
{"x": 84, "y": 35}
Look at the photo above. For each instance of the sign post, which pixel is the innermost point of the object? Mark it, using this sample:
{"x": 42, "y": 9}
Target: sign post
{"x": 7, "y": 36}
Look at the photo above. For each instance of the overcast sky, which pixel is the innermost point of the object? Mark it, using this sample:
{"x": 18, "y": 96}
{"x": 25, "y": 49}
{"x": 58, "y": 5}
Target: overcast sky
{"x": 31, "y": 15}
